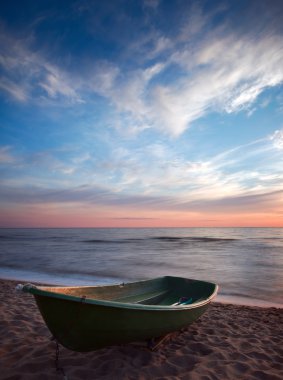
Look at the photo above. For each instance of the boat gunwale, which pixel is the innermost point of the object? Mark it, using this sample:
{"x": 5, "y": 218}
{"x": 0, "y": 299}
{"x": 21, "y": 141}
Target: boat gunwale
{"x": 40, "y": 291}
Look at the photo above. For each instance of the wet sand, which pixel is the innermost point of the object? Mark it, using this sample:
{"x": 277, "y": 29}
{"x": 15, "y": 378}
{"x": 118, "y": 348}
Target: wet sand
{"x": 227, "y": 342}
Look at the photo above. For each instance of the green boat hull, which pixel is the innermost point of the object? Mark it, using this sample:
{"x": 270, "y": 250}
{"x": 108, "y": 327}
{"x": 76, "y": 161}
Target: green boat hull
{"x": 89, "y": 318}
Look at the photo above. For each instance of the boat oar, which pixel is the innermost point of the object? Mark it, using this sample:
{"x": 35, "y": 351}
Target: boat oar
{"x": 183, "y": 301}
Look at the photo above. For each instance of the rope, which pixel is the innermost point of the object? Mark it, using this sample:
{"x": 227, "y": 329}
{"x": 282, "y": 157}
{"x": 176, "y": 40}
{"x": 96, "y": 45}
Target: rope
{"x": 59, "y": 370}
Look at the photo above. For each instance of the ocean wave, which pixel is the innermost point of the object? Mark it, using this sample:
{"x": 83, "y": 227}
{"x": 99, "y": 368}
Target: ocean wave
{"x": 191, "y": 238}
{"x": 110, "y": 241}
{"x": 159, "y": 238}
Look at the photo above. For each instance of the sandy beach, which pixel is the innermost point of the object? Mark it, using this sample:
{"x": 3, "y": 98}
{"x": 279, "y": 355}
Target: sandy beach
{"x": 227, "y": 342}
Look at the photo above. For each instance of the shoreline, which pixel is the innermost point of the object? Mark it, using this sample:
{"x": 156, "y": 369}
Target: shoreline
{"x": 245, "y": 301}
{"x": 227, "y": 342}
{"x": 220, "y": 298}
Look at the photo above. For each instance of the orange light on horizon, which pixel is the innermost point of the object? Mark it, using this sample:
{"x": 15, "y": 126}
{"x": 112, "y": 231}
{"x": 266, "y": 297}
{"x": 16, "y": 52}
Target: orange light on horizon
{"x": 54, "y": 216}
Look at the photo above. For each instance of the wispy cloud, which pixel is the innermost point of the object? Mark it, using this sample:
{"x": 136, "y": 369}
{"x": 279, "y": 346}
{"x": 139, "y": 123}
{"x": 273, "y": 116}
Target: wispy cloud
{"x": 28, "y": 75}
{"x": 211, "y": 69}
{"x": 93, "y": 197}
{"x": 249, "y": 203}
{"x": 212, "y": 73}
{"x": 18, "y": 92}
{"x": 277, "y": 139}
{"x": 6, "y": 156}
{"x": 223, "y": 74}
{"x": 173, "y": 181}
{"x": 151, "y": 3}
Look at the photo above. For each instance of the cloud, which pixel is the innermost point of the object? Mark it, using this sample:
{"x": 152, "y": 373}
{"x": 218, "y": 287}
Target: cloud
{"x": 152, "y": 177}
{"x": 156, "y": 169}
{"x": 164, "y": 79}
{"x": 151, "y": 3}
{"x": 126, "y": 92}
{"x": 256, "y": 203}
{"x": 6, "y": 156}
{"x": 90, "y": 196}
{"x": 277, "y": 139}
{"x": 223, "y": 74}
{"x": 27, "y": 74}
{"x": 132, "y": 218}
{"x": 18, "y": 92}
{"x": 55, "y": 85}
{"x": 204, "y": 70}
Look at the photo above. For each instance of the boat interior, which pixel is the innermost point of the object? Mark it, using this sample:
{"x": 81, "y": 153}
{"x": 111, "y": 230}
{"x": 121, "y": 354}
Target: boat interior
{"x": 164, "y": 291}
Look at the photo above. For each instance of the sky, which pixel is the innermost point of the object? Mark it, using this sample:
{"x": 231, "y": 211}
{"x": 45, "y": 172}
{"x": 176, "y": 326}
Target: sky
{"x": 145, "y": 113}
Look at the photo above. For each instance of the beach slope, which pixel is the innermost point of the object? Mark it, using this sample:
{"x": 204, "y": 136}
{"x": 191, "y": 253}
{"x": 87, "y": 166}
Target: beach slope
{"x": 227, "y": 342}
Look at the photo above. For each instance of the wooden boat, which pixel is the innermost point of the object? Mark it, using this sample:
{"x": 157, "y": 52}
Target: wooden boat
{"x": 91, "y": 317}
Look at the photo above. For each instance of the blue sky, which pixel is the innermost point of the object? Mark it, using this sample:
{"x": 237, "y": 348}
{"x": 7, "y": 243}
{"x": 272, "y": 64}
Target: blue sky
{"x": 141, "y": 113}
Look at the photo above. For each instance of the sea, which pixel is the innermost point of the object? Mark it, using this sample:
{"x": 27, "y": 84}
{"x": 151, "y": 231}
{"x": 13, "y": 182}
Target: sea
{"x": 246, "y": 263}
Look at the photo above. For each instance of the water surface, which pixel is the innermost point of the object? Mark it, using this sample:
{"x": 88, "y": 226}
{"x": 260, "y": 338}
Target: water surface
{"x": 247, "y": 263}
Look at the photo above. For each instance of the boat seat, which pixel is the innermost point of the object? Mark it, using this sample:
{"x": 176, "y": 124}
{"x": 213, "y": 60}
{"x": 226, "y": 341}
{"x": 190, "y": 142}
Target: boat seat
{"x": 144, "y": 298}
